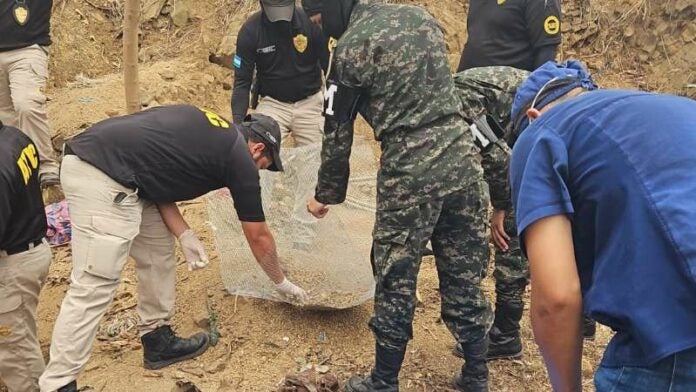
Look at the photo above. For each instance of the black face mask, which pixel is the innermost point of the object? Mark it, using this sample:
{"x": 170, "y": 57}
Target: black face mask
{"x": 335, "y": 16}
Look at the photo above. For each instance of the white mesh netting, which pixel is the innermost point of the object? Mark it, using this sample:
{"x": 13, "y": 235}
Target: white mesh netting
{"x": 329, "y": 258}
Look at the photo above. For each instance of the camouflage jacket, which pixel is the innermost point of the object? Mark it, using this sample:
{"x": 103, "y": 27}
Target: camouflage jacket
{"x": 491, "y": 90}
{"x": 395, "y": 57}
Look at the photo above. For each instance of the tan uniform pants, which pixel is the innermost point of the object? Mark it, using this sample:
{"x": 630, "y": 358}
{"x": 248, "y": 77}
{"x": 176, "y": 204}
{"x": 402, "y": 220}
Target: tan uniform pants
{"x": 21, "y": 278}
{"x": 23, "y": 75}
{"x": 302, "y": 119}
{"x": 104, "y": 234}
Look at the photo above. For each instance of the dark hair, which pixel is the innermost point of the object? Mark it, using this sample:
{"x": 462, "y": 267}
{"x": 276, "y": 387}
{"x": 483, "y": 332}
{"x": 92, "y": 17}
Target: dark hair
{"x": 254, "y": 138}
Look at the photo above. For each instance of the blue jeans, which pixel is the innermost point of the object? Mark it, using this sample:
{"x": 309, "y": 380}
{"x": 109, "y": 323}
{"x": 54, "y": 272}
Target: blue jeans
{"x": 676, "y": 373}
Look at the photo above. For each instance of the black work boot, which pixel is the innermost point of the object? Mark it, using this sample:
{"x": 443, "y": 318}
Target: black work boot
{"x": 72, "y": 387}
{"x": 162, "y": 348}
{"x": 589, "y": 328}
{"x": 474, "y": 374}
{"x": 385, "y": 375}
{"x": 504, "y": 338}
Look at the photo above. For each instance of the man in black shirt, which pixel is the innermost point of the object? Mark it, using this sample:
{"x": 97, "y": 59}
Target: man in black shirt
{"x": 24, "y": 260}
{"x": 287, "y": 50}
{"x": 313, "y": 10}
{"x": 122, "y": 178}
{"x": 24, "y": 41}
{"x": 518, "y": 33}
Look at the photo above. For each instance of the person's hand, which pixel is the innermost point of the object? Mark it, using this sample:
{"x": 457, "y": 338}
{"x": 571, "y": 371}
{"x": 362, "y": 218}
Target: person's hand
{"x": 318, "y": 210}
{"x": 500, "y": 237}
{"x": 291, "y": 291}
{"x": 193, "y": 250}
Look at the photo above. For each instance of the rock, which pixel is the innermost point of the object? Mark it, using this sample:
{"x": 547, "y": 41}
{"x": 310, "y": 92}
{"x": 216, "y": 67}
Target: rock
{"x": 151, "y": 9}
{"x": 208, "y": 79}
{"x": 689, "y": 33}
{"x": 202, "y": 319}
{"x": 681, "y": 5}
{"x": 112, "y": 112}
{"x": 192, "y": 371}
{"x": 168, "y": 74}
{"x": 185, "y": 386}
{"x": 146, "y": 99}
{"x": 180, "y": 14}
{"x": 216, "y": 367}
{"x": 322, "y": 369}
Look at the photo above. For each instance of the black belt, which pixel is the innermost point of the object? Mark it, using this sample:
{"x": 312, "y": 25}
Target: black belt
{"x": 296, "y": 101}
{"x": 23, "y": 248}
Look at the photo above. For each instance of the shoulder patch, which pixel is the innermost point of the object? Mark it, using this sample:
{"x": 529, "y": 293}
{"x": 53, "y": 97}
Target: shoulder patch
{"x": 552, "y": 25}
{"x": 237, "y": 62}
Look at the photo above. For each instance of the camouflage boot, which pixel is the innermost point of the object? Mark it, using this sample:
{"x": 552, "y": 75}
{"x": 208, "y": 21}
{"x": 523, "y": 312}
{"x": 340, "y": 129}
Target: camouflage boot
{"x": 474, "y": 374}
{"x": 504, "y": 337}
{"x": 385, "y": 375}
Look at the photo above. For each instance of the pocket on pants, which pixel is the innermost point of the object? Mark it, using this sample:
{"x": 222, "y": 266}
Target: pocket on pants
{"x": 10, "y": 322}
{"x": 385, "y": 242}
{"x": 109, "y": 246}
{"x": 607, "y": 379}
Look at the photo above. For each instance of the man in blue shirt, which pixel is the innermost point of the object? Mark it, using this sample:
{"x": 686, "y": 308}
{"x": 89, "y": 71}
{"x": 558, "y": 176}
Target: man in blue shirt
{"x": 604, "y": 183}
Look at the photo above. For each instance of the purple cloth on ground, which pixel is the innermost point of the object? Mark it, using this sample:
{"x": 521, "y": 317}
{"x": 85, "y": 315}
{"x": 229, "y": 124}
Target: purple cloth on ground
{"x": 59, "y": 228}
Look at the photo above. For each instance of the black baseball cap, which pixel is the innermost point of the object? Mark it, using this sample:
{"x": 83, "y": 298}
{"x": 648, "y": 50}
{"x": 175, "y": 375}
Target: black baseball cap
{"x": 278, "y": 10}
{"x": 266, "y": 129}
{"x": 312, "y": 7}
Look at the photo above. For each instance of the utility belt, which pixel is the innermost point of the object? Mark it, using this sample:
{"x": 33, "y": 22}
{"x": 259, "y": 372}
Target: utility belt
{"x": 22, "y": 248}
{"x": 292, "y": 102}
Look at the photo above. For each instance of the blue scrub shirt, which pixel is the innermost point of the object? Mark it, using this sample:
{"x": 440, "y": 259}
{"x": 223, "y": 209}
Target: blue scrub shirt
{"x": 622, "y": 166}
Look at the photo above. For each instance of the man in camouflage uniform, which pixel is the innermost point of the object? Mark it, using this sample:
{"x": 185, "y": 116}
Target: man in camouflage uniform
{"x": 391, "y": 66}
{"x": 490, "y": 91}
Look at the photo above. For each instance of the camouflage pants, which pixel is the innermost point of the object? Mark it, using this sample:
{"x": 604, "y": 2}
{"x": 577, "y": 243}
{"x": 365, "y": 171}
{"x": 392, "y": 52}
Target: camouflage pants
{"x": 511, "y": 278}
{"x": 455, "y": 225}
{"x": 511, "y": 268}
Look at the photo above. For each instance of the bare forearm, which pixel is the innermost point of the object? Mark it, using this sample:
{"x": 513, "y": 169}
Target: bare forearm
{"x": 556, "y": 300}
{"x": 557, "y": 332}
{"x": 172, "y": 218}
{"x": 264, "y": 250}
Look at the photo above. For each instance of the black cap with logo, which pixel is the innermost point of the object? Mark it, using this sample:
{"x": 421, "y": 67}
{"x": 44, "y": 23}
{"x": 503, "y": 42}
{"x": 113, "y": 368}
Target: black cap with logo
{"x": 266, "y": 129}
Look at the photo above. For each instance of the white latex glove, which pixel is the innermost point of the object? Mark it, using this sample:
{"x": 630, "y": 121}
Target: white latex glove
{"x": 291, "y": 291}
{"x": 193, "y": 250}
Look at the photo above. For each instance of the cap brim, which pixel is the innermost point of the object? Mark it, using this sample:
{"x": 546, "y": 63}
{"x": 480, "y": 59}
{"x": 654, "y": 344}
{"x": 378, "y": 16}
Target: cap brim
{"x": 279, "y": 13}
{"x": 277, "y": 165}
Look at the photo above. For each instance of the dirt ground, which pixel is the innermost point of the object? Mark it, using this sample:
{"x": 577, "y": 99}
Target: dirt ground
{"x": 647, "y": 44}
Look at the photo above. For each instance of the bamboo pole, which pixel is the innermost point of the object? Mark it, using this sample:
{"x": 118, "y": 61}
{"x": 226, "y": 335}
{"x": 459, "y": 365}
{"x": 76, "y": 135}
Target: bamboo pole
{"x": 131, "y": 23}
